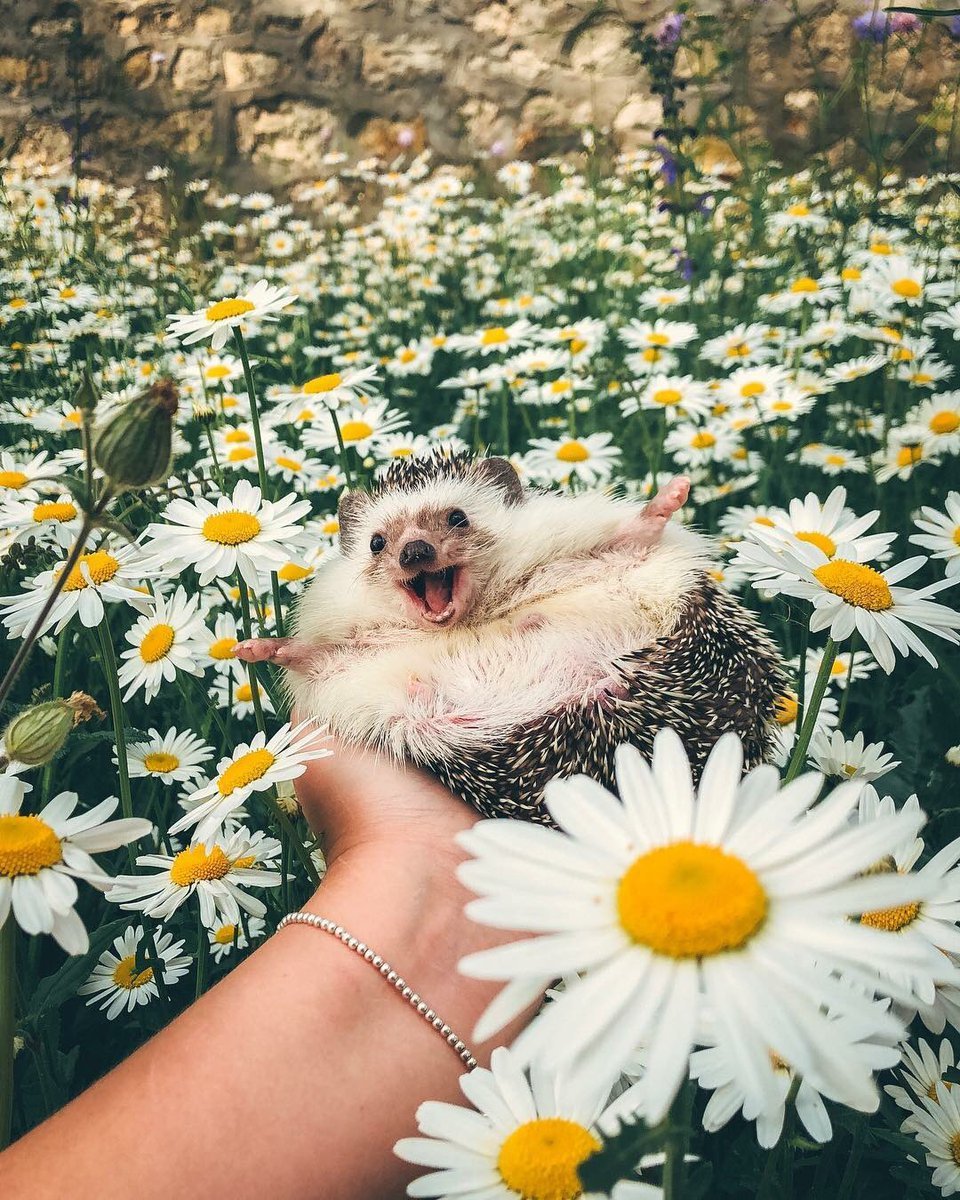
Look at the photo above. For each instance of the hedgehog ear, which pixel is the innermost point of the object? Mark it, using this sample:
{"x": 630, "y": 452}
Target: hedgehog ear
{"x": 501, "y": 474}
{"x": 349, "y": 511}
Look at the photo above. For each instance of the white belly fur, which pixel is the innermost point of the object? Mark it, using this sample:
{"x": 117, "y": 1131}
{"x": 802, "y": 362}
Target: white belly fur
{"x": 424, "y": 695}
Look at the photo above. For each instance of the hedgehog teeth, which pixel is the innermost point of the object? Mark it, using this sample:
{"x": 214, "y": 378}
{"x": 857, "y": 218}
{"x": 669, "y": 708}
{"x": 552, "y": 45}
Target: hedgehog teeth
{"x": 434, "y": 590}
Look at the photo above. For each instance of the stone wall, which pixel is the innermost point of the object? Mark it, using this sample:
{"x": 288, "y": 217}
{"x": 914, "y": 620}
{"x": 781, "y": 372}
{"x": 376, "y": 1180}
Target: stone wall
{"x": 260, "y": 89}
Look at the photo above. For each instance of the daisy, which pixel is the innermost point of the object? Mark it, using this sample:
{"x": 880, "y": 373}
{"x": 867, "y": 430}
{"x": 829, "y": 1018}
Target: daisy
{"x": 939, "y": 420}
{"x": 494, "y": 339}
{"x": 360, "y": 428}
{"x": 712, "y": 1071}
{"x": 173, "y": 758}
{"x": 41, "y": 855}
{"x": 236, "y": 693}
{"x": 925, "y": 372}
{"x": 786, "y": 728}
{"x": 749, "y": 385}
{"x": 331, "y": 390}
{"x": 948, "y": 319}
{"x": 256, "y": 766}
{"x": 661, "y": 334}
{"x": 161, "y": 644}
{"x": 840, "y": 758}
{"x": 668, "y": 902}
{"x": 258, "y": 303}
{"x": 118, "y": 986}
{"x": 101, "y": 576}
{"x": 832, "y": 460}
{"x": 936, "y": 1126}
{"x": 897, "y": 280}
{"x": 591, "y": 458}
{"x": 741, "y": 345}
{"x": 18, "y": 478}
{"x": 293, "y": 466}
{"x": 226, "y": 937}
{"x": 849, "y": 595}
{"x": 524, "y": 1139}
{"x": 53, "y": 521}
{"x": 941, "y": 533}
{"x": 220, "y": 370}
{"x": 675, "y": 395}
{"x": 906, "y": 450}
{"x": 852, "y": 369}
{"x": 829, "y": 525}
{"x": 693, "y": 446}
{"x": 921, "y": 1071}
{"x": 846, "y": 668}
{"x": 241, "y": 533}
{"x": 218, "y": 875}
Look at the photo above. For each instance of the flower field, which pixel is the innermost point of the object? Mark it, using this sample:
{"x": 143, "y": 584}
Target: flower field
{"x": 791, "y": 343}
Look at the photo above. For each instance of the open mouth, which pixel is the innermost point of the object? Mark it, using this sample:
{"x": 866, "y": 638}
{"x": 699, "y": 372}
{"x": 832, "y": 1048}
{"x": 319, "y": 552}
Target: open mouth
{"x": 434, "y": 593}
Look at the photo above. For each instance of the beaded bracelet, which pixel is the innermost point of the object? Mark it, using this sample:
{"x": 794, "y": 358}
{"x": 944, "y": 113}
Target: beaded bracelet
{"x": 327, "y": 926}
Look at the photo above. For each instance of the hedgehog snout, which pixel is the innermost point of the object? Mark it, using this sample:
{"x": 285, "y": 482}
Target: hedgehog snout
{"x": 417, "y": 553}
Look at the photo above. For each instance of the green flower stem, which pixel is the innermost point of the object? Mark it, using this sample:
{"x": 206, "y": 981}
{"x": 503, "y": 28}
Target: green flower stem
{"x": 8, "y": 976}
{"x": 342, "y": 449}
{"x": 261, "y": 463}
{"x": 47, "y": 777}
{"x": 203, "y": 951}
{"x": 849, "y": 682}
{"x": 251, "y": 667}
{"x": 799, "y": 755}
{"x": 109, "y": 663}
{"x": 289, "y": 832}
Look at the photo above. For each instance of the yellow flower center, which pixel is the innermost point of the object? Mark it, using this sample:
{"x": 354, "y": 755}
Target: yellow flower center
{"x": 651, "y": 354}
{"x": 223, "y": 310}
{"x": 331, "y": 526}
{"x": 217, "y": 371}
{"x": 539, "y": 1160}
{"x": 883, "y": 248}
{"x": 160, "y": 763}
{"x": 577, "y": 344}
{"x": 820, "y": 540}
{"x": 763, "y": 521}
{"x": 781, "y": 406}
{"x": 54, "y": 511}
{"x": 67, "y": 293}
{"x": 835, "y": 460}
{"x": 932, "y": 1093}
{"x": 292, "y": 572}
{"x": 225, "y": 935}
{"x": 245, "y": 861}
{"x": 908, "y": 455}
{"x": 798, "y": 210}
{"x": 657, "y": 339}
{"x": 856, "y": 583}
{"x": 406, "y": 356}
{"x": 289, "y": 464}
{"x": 194, "y": 864}
{"x": 892, "y": 920}
{"x": 236, "y": 435}
{"x": 739, "y": 350}
{"x": 804, "y": 284}
{"x": 756, "y": 388}
{"x": 248, "y": 767}
{"x": 323, "y": 383}
{"x": 703, "y": 441}
{"x": 222, "y": 648}
{"x": 559, "y": 386}
{"x": 839, "y": 667}
{"x": 355, "y": 431}
{"x": 157, "y": 643}
{"x": 27, "y": 846}
{"x": 909, "y": 289}
{"x": 240, "y": 454}
{"x": 231, "y": 528}
{"x": 494, "y": 336}
{"x": 101, "y": 565}
{"x": 945, "y": 422}
{"x": 13, "y": 479}
{"x": 851, "y": 274}
{"x": 687, "y": 901}
{"x": 244, "y": 693}
{"x": 127, "y": 977}
{"x": 18, "y": 302}
{"x": 667, "y": 396}
{"x": 572, "y": 452}
{"x": 786, "y": 709}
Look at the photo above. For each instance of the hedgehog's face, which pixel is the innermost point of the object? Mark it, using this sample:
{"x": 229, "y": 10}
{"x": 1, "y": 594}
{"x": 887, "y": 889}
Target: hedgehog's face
{"x": 429, "y": 548}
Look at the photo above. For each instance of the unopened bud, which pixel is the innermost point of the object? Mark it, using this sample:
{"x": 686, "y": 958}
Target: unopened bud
{"x": 133, "y": 446}
{"x": 34, "y": 736}
{"x": 87, "y": 396}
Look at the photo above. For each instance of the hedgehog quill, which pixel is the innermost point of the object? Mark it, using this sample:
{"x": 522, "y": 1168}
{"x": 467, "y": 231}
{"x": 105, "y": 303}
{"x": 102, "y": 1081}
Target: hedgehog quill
{"x": 501, "y": 636}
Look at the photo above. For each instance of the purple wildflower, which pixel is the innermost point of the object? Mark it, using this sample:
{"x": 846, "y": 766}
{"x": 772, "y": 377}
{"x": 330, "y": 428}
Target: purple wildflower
{"x": 668, "y": 31}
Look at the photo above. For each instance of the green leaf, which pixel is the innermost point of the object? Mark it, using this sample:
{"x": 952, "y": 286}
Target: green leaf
{"x": 107, "y": 522}
{"x": 617, "y": 1158}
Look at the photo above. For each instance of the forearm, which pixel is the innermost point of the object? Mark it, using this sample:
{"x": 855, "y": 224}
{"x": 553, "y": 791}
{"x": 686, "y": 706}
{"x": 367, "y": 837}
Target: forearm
{"x": 294, "y": 1076}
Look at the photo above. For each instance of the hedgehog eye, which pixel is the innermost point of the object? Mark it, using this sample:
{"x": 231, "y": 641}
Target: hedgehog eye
{"x": 377, "y": 543}
{"x": 458, "y": 518}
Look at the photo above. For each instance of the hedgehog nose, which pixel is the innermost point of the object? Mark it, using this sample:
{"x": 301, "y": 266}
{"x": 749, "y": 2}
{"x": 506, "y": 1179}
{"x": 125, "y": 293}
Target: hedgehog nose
{"x": 416, "y": 553}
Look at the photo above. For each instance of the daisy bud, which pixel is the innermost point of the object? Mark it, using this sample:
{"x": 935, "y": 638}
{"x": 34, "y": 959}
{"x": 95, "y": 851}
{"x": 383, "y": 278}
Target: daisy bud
{"x": 133, "y": 446}
{"x": 34, "y": 736}
{"x": 87, "y": 396}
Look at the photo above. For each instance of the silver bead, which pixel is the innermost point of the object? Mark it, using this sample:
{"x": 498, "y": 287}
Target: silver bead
{"x": 361, "y": 948}
{"x": 415, "y": 999}
{"x": 422, "y": 1006}
{"x": 430, "y": 1015}
{"x": 353, "y": 943}
{"x": 407, "y": 992}
{"x": 392, "y": 976}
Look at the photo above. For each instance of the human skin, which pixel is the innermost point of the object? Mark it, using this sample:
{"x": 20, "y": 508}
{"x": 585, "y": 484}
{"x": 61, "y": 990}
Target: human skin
{"x": 295, "y": 1075}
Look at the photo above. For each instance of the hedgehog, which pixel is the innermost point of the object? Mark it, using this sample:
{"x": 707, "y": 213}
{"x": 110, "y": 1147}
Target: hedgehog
{"x": 501, "y": 636}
